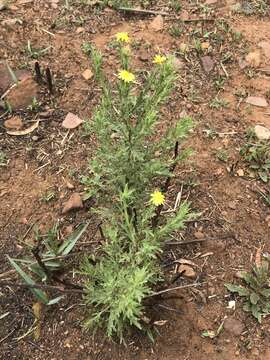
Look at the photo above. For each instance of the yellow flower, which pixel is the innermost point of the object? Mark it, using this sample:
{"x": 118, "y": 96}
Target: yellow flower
{"x": 126, "y": 76}
{"x": 159, "y": 59}
{"x": 157, "y": 198}
{"x": 122, "y": 37}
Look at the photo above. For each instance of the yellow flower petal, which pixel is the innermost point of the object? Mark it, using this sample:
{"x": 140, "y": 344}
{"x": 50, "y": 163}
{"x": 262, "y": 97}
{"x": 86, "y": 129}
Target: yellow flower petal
{"x": 157, "y": 198}
{"x": 159, "y": 59}
{"x": 126, "y": 76}
{"x": 122, "y": 37}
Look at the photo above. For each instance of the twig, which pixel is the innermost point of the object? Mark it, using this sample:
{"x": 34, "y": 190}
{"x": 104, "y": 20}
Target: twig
{"x": 143, "y": 11}
{"x": 175, "y": 288}
{"x": 197, "y": 20}
{"x": 38, "y": 73}
{"x": 224, "y": 69}
{"x": 37, "y": 286}
{"x": 184, "y": 242}
{"x": 49, "y": 80}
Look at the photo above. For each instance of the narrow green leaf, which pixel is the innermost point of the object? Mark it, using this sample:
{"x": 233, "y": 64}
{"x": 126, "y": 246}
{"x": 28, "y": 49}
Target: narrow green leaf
{"x": 55, "y": 300}
{"x": 68, "y": 245}
{"x": 37, "y": 292}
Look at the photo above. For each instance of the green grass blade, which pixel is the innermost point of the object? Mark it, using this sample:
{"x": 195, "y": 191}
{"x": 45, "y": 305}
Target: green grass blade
{"x": 69, "y": 244}
{"x": 37, "y": 292}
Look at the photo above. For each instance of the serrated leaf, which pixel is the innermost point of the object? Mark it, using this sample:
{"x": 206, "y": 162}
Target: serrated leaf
{"x": 37, "y": 292}
{"x": 240, "y": 290}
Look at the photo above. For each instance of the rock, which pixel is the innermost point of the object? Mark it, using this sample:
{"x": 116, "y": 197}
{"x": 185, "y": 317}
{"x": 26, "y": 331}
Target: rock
{"x": 157, "y": 24}
{"x": 73, "y": 203}
{"x": 187, "y": 271}
{"x": 242, "y": 64}
{"x": 71, "y": 121}
{"x": 79, "y": 30}
{"x": 205, "y": 45}
{"x": 22, "y": 95}
{"x": 207, "y": 63}
{"x": 199, "y": 235}
{"x": 178, "y": 64}
{"x": 87, "y": 74}
{"x": 267, "y": 219}
{"x": 254, "y": 59}
{"x": 262, "y": 132}
{"x": 240, "y": 172}
{"x": 265, "y": 46}
{"x": 210, "y": 2}
{"x": 233, "y": 326}
{"x": 3, "y": 4}
{"x": 5, "y": 77}
{"x": 257, "y": 101}
{"x": 14, "y": 123}
{"x": 10, "y": 22}
{"x": 232, "y": 205}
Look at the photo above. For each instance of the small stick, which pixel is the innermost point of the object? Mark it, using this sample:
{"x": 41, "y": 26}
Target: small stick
{"x": 185, "y": 242}
{"x": 175, "y": 288}
{"x": 197, "y": 20}
{"x": 49, "y": 80}
{"x": 38, "y": 73}
{"x": 143, "y": 11}
{"x": 224, "y": 69}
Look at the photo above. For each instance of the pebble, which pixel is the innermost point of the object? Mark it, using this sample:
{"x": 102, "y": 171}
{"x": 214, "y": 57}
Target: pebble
{"x": 73, "y": 203}
{"x": 234, "y": 326}
{"x": 257, "y": 101}
{"x": 14, "y": 123}
{"x": 22, "y": 95}
{"x": 207, "y": 63}
{"x": 187, "y": 271}
{"x": 254, "y": 59}
{"x": 87, "y": 74}
{"x": 262, "y": 132}
{"x": 157, "y": 24}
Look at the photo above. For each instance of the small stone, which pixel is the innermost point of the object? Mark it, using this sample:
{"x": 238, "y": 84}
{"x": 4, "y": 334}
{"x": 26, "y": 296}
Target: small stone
{"x": 242, "y": 64}
{"x": 199, "y": 235}
{"x": 3, "y": 4}
{"x": 69, "y": 185}
{"x": 262, "y": 132}
{"x": 71, "y": 121}
{"x": 22, "y": 95}
{"x": 73, "y": 203}
{"x": 178, "y": 64}
{"x": 9, "y": 22}
{"x": 205, "y": 45}
{"x": 14, "y": 123}
{"x": 87, "y": 74}
{"x": 254, "y": 59}
{"x": 257, "y": 101}
{"x": 79, "y": 30}
{"x": 210, "y": 2}
{"x": 234, "y": 326}
{"x": 240, "y": 172}
{"x": 265, "y": 46}
{"x": 183, "y": 47}
{"x": 207, "y": 63}
{"x": 187, "y": 271}
{"x": 232, "y": 205}
{"x": 267, "y": 219}
{"x": 157, "y": 24}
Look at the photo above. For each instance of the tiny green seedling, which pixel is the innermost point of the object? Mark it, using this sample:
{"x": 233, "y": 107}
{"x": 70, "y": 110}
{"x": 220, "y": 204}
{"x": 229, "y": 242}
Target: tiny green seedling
{"x": 222, "y": 155}
{"x": 34, "y": 106}
{"x": 255, "y": 291}
{"x": 3, "y": 159}
{"x": 218, "y": 103}
{"x": 257, "y": 154}
{"x": 175, "y": 31}
{"x": 50, "y": 195}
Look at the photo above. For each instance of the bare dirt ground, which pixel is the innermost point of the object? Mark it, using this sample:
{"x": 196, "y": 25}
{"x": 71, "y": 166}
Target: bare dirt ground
{"x": 215, "y": 78}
